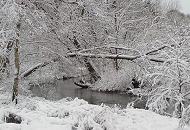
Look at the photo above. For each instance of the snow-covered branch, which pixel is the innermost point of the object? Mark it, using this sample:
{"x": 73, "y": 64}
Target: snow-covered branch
{"x": 32, "y": 69}
{"x": 111, "y": 56}
{"x": 108, "y": 56}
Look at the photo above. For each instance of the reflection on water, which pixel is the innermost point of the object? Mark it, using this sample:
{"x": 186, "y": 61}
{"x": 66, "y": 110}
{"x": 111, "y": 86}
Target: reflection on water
{"x": 66, "y": 88}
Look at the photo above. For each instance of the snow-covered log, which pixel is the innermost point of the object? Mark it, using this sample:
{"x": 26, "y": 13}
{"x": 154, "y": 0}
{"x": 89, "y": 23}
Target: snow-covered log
{"x": 37, "y": 66}
{"x": 82, "y": 85}
{"x": 112, "y": 56}
{"x": 33, "y": 68}
{"x": 108, "y": 56}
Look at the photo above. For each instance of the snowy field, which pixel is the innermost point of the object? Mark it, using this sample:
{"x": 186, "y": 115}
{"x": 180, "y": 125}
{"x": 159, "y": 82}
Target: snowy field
{"x": 77, "y": 114}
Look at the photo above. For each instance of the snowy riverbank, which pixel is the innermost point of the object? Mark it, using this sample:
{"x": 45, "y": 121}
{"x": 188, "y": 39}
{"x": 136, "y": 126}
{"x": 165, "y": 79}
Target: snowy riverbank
{"x": 68, "y": 114}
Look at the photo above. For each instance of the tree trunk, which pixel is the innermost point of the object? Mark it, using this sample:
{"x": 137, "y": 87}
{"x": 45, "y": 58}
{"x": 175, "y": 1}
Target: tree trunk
{"x": 17, "y": 65}
{"x": 94, "y": 75}
{"x": 179, "y": 107}
{"x": 116, "y": 61}
{"x": 117, "y": 33}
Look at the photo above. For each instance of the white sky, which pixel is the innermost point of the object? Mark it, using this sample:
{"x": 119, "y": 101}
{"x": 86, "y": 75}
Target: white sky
{"x": 182, "y": 5}
{"x": 185, "y": 6}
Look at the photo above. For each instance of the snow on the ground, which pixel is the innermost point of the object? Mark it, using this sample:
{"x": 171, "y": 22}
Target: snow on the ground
{"x": 77, "y": 114}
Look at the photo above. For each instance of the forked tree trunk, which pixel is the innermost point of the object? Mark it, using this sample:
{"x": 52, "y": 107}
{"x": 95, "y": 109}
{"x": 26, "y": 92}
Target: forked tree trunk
{"x": 17, "y": 65}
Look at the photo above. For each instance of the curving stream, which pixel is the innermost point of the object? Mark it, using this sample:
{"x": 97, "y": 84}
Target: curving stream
{"x": 67, "y": 88}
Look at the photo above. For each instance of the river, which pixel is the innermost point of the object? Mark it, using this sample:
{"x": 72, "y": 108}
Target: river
{"x": 67, "y": 88}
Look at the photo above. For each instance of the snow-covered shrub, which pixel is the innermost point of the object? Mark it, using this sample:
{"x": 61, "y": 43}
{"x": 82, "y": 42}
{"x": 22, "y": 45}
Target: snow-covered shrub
{"x": 103, "y": 118}
{"x": 85, "y": 122}
{"x": 113, "y": 80}
{"x": 170, "y": 81}
{"x": 116, "y": 80}
{"x": 185, "y": 120}
{"x": 158, "y": 102}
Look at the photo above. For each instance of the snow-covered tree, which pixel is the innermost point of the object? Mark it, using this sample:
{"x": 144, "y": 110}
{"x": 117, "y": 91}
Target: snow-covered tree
{"x": 14, "y": 17}
{"x": 171, "y": 78}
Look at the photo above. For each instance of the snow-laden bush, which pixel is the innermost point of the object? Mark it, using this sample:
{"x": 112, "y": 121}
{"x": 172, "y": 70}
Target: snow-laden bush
{"x": 170, "y": 82}
{"x": 112, "y": 80}
{"x": 185, "y": 120}
{"x": 158, "y": 102}
{"x": 118, "y": 80}
{"x": 99, "y": 120}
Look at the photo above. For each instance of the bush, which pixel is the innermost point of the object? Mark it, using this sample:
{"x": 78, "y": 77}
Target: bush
{"x": 185, "y": 120}
{"x": 116, "y": 80}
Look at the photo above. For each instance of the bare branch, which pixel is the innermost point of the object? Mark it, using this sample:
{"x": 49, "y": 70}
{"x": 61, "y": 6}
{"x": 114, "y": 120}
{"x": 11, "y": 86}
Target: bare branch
{"x": 155, "y": 50}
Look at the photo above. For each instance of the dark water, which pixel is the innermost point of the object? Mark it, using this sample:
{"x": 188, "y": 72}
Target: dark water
{"x": 66, "y": 88}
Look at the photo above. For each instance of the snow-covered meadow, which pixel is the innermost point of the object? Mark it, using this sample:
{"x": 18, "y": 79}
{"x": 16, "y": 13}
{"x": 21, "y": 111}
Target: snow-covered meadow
{"x": 68, "y": 114}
